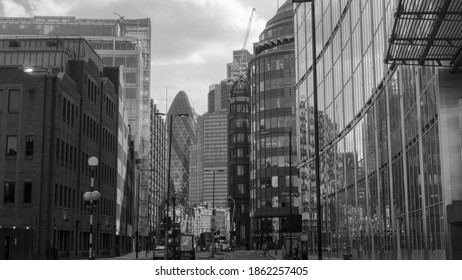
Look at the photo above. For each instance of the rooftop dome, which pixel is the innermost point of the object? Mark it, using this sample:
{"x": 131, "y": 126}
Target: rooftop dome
{"x": 285, "y": 11}
{"x": 181, "y": 104}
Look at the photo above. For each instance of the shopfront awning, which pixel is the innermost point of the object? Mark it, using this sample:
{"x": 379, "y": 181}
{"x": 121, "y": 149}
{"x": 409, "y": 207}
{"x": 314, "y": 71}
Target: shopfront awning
{"x": 425, "y": 32}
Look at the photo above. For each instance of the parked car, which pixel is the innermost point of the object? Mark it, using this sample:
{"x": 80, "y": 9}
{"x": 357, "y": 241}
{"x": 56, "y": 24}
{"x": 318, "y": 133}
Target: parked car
{"x": 226, "y": 247}
{"x": 159, "y": 252}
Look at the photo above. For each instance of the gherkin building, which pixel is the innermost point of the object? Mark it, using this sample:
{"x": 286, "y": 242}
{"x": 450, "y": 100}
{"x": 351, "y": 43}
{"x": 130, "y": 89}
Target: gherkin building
{"x": 183, "y": 116}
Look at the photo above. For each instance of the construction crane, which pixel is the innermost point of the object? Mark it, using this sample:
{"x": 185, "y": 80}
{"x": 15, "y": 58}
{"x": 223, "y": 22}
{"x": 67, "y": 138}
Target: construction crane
{"x": 248, "y": 29}
{"x": 246, "y": 37}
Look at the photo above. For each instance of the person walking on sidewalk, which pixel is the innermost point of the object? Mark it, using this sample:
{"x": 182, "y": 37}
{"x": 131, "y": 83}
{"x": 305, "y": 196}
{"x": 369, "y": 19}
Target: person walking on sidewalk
{"x": 265, "y": 249}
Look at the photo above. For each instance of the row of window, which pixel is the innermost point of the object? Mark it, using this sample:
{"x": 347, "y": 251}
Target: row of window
{"x": 68, "y": 111}
{"x": 239, "y": 170}
{"x": 9, "y": 192}
{"x": 11, "y": 99}
{"x": 66, "y": 153}
{"x": 280, "y": 181}
{"x": 273, "y": 103}
{"x": 109, "y": 141}
{"x": 239, "y": 138}
{"x": 107, "y": 174}
{"x": 64, "y": 197}
{"x": 105, "y": 45}
{"x": 275, "y": 122}
{"x": 12, "y": 146}
{"x": 90, "y": 128}
{"x": 128, "y": 62}
{"x": 92, "y": 91}
{"x": 109, "y": 107}
{"x": 238, "y": 123}
{"x": 239, "y": 108}
{"x": 239, "y": 153}
{"x": 65, "y": 241}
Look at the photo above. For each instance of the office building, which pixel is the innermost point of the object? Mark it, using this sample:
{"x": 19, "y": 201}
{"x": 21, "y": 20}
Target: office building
{"x": 196, "y": 171}
{"x": 274, "y": 201}
{"x": 158, "y": 170}
{"x": 120, "y": 42}
{"x": 53, "y": 118}
{"x": 389, "y": 134}
{"x": 238, "y": 67}
{"x": 215, "y": 159}
{"x": 183, "y": 138}
{"x": 239, "y": 158}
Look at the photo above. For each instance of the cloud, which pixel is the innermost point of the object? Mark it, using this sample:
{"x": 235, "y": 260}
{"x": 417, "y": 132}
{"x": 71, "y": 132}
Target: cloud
{"x": 11, "y": 9}
{"x": 192, "y": 40}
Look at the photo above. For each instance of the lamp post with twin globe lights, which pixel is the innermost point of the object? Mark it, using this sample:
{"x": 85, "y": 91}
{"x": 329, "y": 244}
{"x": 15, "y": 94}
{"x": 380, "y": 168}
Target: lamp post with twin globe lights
{"x": 91, "y": 198}
{"x": 168, "y": 176}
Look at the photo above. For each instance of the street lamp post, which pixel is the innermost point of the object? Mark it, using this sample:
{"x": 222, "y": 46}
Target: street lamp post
{"x": 91, "y": 198}
{"x": 213, "y": 204}
{"x": 168, "y": 176}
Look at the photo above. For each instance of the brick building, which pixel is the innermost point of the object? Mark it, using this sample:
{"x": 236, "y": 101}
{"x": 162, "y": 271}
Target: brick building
{"x": 53, "y": 117}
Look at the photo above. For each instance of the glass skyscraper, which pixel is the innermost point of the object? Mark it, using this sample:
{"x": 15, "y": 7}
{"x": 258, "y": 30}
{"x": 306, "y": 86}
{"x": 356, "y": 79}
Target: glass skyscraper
{"x": 273, "y": 173}
{"x": 183, "y": 138}
{"x": 389, "y": 139}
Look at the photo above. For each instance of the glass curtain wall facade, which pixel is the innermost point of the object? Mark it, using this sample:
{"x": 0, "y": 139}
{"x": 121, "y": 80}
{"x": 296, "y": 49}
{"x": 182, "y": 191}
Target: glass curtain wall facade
{"x": 381, "y": 147}
{"x": 183, "y": 137}
{"x": 272, "y": 163}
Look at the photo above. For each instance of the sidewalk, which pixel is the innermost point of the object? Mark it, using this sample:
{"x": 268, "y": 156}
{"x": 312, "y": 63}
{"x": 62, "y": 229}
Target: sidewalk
{"x": 131, "y": 256}
{"x": 279, "y": 256}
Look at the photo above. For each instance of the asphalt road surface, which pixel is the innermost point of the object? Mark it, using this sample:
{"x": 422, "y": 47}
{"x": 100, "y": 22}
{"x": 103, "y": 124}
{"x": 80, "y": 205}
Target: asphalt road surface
{"x": 237, "y": 255}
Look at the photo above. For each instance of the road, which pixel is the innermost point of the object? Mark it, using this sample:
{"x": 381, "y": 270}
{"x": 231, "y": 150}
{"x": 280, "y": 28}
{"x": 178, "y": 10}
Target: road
{"x": 237, "y": 255}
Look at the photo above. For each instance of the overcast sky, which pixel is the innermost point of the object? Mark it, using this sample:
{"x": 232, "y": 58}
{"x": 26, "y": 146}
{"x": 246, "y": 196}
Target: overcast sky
{"x": 192, "y": 40}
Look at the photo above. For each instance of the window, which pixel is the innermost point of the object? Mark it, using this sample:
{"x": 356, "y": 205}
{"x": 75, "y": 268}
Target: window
{"x": 130, "y": 78}
{"x": 13, "y": 100}
{"x": 240, "y": 189}
{"x": 27, "y": 192}
{"x": 29, "y": 145}
{"x": 11, "y": 146}
{"x": 131, "y": 93}
{"x": 8, "y": 192}
{"x": 132, "y": 62}
{"x": 1, "y": 99}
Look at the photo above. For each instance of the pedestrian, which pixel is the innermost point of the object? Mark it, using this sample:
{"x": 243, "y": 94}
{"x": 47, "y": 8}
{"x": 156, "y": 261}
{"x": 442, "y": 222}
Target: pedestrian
{"x": 297, "y": 248}
{"x": 264, "y": 247}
